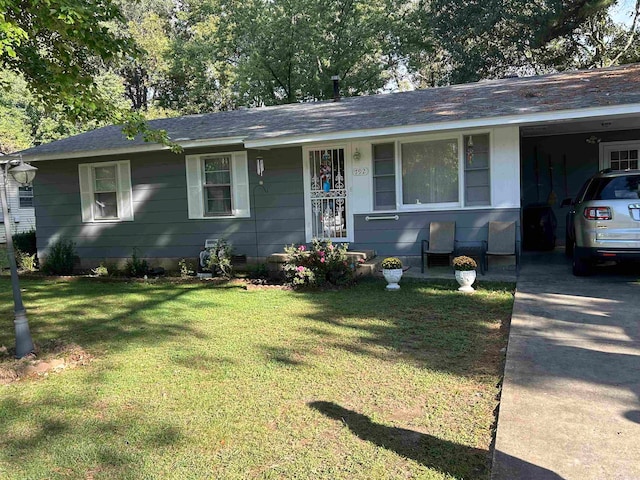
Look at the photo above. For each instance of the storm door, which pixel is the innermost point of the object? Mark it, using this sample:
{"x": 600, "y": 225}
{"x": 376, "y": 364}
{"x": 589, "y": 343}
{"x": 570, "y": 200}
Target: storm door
{"x": 326, "y": 215}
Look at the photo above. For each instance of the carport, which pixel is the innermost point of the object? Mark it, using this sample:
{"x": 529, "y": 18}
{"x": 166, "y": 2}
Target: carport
{"x": 556, "y": 158}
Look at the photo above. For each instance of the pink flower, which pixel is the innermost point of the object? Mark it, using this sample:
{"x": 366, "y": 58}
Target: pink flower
{"x": 330, "y": 247}
{"x": 302, "y": 248}
{"x": 321, "y": 253}
{"x": 300, "y": 268}
{"x": 322, "y": 260}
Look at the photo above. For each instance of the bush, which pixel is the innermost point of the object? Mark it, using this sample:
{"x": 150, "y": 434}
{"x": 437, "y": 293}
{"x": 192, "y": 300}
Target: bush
{"x": 464, "y": 263}
{"x": 100, "y": 271}
{"x": 26, "y": 262}
{"x": 25, "y": 242}
{"x": 136, "y": 267}
{"x": 391, "y": 263}
{"x": 322, "y": 264}
{"x": 60, "y": 259}
{"x": 186, "y": 268}
{"x": 219, "y": 259}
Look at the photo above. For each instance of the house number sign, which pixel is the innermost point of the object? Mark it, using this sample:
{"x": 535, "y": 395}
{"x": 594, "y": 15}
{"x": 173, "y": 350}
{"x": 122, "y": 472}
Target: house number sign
{"x": 360, "y": 172}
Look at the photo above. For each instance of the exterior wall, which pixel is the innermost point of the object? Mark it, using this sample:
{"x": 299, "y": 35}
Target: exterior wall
{"x": 161, "y": 228}
{"x": 404, "y": 236}
{"x": 22, "y": 219}
{"x": 162, "y": 232}
{"x": 582, "y": 161}
{"x": 504, "y": 170}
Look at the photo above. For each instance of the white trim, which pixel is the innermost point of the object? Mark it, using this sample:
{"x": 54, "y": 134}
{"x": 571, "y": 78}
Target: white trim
{"x": 558, "y": 115}
{"x": 605, "y": 145}
{"x": 124, "y": 191}
{"x": 149, "y": 147}
{"x": 240, "y": 203}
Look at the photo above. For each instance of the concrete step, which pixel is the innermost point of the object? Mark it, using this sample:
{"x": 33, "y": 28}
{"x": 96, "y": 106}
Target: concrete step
{"x": 365, "y": 262}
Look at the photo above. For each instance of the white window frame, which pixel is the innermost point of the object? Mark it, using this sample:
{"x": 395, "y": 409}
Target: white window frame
{"x": 124, "y": 194}
{"x": 606, "y": 146}
{"x": 194, "y": 170}
{"x": 461, "y": 203}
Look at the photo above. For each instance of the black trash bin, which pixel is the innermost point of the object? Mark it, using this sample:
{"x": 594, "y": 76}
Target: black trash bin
{"x": 539, "y": 227}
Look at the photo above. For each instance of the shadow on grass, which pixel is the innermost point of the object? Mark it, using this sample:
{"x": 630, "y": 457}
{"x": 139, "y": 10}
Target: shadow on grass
{"x": 459, "y": 461}
{"x": 428, "y": 324}
{"x": 88, "y": 312}
{"x": 67, "y": 434}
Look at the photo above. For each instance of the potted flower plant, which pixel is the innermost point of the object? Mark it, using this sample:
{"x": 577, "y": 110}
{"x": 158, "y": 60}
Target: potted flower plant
{"x": 465, "y": 268}
{"x": 392, "y": 272}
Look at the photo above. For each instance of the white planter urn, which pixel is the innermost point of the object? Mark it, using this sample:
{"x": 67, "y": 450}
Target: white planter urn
{"x": 465, "y": 279}
{"x": 392, "y": 276}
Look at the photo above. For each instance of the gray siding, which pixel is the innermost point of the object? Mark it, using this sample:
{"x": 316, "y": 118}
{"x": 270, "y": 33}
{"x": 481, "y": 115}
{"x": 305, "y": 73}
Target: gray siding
{"x": 161, "y": 228}
{"x": 582, "y": 161}
{"x": 404, "y": 236}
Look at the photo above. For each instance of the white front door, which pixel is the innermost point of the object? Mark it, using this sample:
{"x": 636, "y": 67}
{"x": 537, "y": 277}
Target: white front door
{"x": 620, "y": 155}
{"x": 326, "y": 194}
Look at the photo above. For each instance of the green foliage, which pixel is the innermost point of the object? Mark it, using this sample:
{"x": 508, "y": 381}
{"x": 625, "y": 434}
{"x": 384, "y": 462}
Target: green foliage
{"x": 391, "y": 263}
{"x": 219, "y": 259}
{"x": 186, "y": 268}
{"x": 135, "y": 266}
{"x": 100, "y": 271}
{"x": 464, "y": 263}
{"x": 26, "y": 261}
{"x": 25, "y": 241}
{"x": 61, "y": 258}
{"x": 323, "y": 264}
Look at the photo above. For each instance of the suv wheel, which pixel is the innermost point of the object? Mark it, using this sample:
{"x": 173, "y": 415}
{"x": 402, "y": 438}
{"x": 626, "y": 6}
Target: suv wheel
{"x": 581, "y": 266}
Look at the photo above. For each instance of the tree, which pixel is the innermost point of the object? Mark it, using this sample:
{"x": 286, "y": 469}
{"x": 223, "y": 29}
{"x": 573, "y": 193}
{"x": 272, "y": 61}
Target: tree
{"x": 60, "y": 47}
{"x": 492, "y": 38}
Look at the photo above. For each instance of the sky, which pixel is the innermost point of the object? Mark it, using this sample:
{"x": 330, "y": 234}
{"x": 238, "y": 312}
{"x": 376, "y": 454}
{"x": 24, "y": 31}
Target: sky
{"x": 622, "y": 11}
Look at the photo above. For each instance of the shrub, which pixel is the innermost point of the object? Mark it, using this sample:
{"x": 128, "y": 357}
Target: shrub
{"x": 136, "y": 267}
{"x": 26, "y": 262}
{"x": 391, "y": 263}
{"x": 322, "y": 264}
{"x": 60, "y": 259}
{"x": 25, "y": 242}
{"x": 219, "y": 259}
{"x": 464, "y": 263}
{"x": 186, "y": 268}
{"x": 100, "y": 271}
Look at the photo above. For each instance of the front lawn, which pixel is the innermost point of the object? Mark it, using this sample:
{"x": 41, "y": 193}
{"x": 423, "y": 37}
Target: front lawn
{"x": 202, "y": 381}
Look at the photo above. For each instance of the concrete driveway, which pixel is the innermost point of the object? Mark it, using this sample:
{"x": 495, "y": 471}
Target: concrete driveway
{"x": 570, "y": 406}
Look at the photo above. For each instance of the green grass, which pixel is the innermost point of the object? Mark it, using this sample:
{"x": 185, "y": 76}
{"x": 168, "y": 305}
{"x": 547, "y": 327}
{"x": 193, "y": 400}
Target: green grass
{"x": 204, "y": 381}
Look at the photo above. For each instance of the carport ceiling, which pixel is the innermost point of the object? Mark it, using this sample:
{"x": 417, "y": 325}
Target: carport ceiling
{"x": 581, "y": 126}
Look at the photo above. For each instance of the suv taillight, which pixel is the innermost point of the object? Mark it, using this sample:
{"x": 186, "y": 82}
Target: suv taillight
{"x": 597, "y": 213}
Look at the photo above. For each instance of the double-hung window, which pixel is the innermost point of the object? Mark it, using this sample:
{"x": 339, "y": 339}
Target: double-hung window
{"x": 105, "y": 191}
{"x": 218, "y": 185}
{"x": 25, "y": 195}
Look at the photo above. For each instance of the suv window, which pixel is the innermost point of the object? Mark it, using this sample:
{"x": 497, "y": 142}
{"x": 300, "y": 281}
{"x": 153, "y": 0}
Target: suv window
{"x": 614, "y": 188}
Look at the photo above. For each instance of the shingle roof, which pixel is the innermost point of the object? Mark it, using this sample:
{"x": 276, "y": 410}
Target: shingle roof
{"x": 482, "y": 100}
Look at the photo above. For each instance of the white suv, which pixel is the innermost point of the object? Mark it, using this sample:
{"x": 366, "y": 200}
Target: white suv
{"x": 604, "y": 220}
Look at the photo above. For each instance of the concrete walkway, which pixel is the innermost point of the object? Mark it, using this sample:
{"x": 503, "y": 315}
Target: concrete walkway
{"x": 570, "y": 406}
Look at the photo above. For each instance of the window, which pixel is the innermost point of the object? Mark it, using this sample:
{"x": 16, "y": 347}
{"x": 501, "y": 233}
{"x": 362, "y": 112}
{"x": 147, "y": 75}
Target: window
{"x": 444, "y": 172}
{"x": 25, "y": 195}
{"x": 624, "y": 159}
{"x": 384, "y": 177}
{"x": 218, "y": 185}
{"x": 477, "y": 189}
{"x": 105, "y": 191}
{"x": 430, "y": 172}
